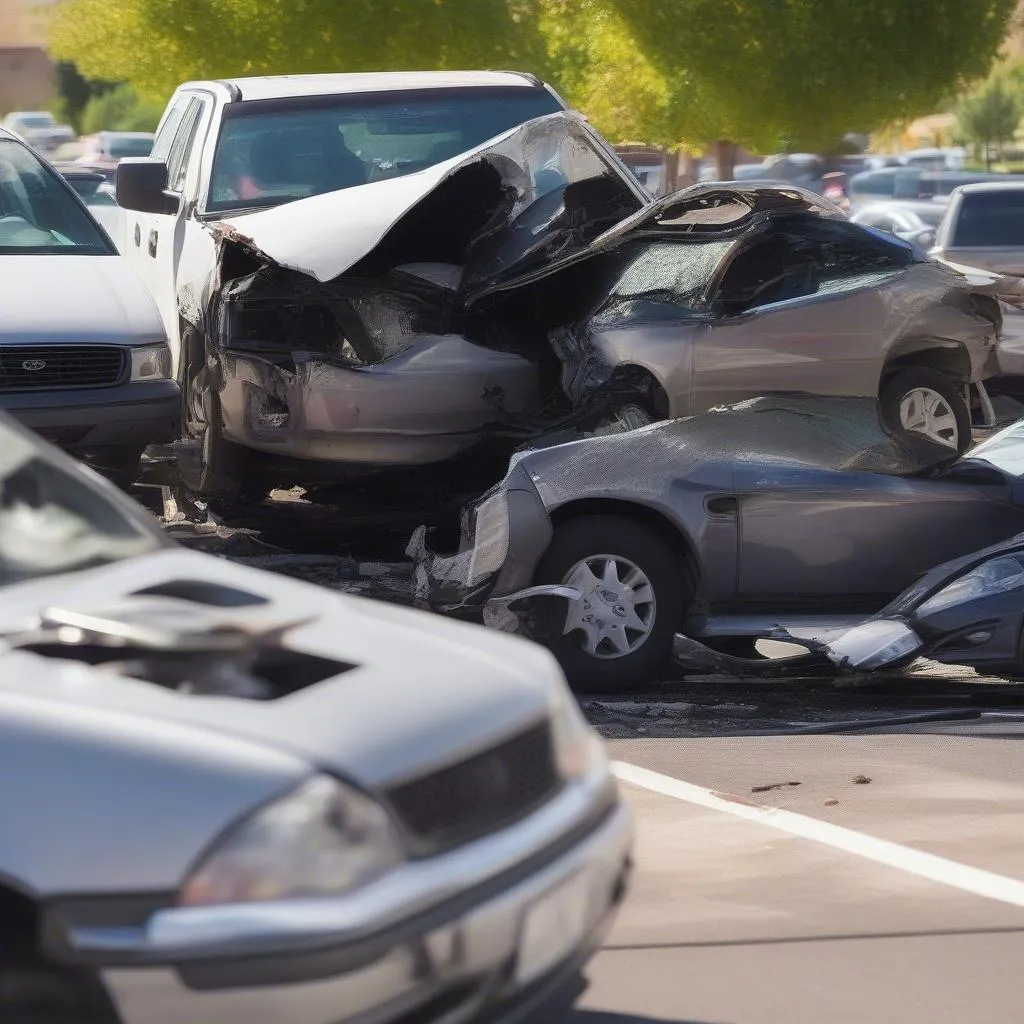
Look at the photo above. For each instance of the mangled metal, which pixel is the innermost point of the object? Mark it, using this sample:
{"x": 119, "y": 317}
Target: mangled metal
{"x": 789, "y": 517}
{"x": 526, "y": 287}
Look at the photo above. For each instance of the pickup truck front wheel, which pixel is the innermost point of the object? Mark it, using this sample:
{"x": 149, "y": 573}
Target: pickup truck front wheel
{"x": 212, "y": 468}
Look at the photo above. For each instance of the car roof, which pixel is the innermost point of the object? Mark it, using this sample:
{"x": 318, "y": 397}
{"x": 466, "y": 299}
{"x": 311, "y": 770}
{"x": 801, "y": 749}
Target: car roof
{"x": 280, "y": 86}
{"x": 992, "y": 186}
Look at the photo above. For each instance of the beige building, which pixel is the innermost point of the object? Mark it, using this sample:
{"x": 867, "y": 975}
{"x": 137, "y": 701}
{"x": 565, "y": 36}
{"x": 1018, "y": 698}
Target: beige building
{"x": 27, "y": 78}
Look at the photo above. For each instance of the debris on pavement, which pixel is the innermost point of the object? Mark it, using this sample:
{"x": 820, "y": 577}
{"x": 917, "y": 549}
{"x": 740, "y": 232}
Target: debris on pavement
{"x": 771, "y": 786}
{"x": 861, "y": 780}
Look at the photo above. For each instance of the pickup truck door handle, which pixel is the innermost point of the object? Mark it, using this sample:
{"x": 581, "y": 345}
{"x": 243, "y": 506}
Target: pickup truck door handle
{"x": 154, "y": 237}
{"x": 722, "y": 505}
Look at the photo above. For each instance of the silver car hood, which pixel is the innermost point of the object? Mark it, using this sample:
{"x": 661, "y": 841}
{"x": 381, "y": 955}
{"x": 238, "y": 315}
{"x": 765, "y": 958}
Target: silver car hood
{"x": 420, "y": 686}
{"x": 100, "y": 300}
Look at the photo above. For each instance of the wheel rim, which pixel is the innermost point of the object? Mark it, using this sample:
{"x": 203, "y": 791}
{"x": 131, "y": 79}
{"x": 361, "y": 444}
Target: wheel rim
{"x": 925, "y": 411}
{"x": 614, "y": 614}
{"x": 196, "y": 420}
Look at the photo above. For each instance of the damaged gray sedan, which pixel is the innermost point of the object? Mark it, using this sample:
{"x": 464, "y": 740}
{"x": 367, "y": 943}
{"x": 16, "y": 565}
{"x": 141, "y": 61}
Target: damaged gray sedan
{"x": 400, "y": 322}
{"x": 798, "y": 511}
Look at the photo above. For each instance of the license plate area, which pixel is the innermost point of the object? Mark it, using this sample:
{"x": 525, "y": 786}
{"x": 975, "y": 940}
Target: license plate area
{"x": 554, "y": 926}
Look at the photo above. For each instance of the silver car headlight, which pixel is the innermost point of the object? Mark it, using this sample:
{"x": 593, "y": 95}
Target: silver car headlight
{"x": 579, "y": 750}
{"x": 322, "y": 839}
{"x": 153, "y": 362}
{"x": 490, "y": 537}
{"x": 996, "y": 576}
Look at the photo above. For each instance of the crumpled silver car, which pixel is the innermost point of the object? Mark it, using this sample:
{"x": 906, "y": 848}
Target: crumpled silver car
{"x": 397, "y": 323}
{"x": 233, "y": 798}
{"x": 804, "y": 512}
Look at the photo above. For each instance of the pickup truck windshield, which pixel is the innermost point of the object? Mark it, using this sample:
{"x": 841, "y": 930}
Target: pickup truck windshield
{"x": 990, "y": 220}
{"x": 275, "y": 151}
{"x": 38, "y": 213}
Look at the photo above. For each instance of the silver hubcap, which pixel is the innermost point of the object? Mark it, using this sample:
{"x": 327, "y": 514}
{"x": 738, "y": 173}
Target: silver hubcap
{"x": 926, "y": 412}
{"x": 614, "y": 614}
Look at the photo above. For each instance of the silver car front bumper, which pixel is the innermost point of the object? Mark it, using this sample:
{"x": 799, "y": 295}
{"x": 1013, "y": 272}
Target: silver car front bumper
{"x": 495, "y": 953}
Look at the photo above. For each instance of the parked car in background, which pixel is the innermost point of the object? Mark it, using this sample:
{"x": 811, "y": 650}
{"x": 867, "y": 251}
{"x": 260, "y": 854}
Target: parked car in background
{"x": 914, "y": 183}
{"x": 313, "y": 804}
{"x": 39, "y": 128}
{"x": 83, "y": 354}
{"x": 105, "y": 150}
{"x": 798, "y": 511}
{"x": 914, "y": 222}
{"x": 984, "y": 227}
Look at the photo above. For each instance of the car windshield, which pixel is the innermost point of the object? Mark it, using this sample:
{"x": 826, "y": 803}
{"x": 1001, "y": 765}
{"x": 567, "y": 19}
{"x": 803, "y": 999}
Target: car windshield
{"x": 38, "y": 214}
{"x": 35, "y": 121}
{"x": 275, "y": 151}
{"x": 119, "y": 146}
{"x": 53, "y": 520}
{"x": 990, "y": 219}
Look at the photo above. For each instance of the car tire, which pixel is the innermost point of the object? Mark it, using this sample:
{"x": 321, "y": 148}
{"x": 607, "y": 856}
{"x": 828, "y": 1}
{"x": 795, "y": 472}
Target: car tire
{"x": 933, "y": 400}
{"x": 584, "y": 545}
{"x": 214, "y": 475}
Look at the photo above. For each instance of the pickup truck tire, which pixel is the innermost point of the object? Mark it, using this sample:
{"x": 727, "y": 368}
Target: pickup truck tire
{"x": 31, "y": 994}
{"x": 921, "y": 400}
{"x": 214, "y": 472}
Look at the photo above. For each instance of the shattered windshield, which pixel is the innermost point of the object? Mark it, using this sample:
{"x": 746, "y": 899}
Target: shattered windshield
{"x": 275, "y": 151}
{"x": 53, "y": 521}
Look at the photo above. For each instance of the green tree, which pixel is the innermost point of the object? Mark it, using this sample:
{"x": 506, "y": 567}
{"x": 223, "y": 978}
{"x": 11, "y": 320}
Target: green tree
{"x": 799, "y": 74}
{"x": 989, "y": 115}
{"x": 120, "y": 110}
{"x": 157, "y": 44}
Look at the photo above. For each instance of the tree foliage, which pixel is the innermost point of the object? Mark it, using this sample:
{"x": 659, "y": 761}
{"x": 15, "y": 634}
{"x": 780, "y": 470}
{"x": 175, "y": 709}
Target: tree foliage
{"x": 769, "y": 74}
{"x": 989, "y": 115}
{"x": 157, "y": 44}
{"x": 120, "y": 110}
{"x": 799, "y": 74}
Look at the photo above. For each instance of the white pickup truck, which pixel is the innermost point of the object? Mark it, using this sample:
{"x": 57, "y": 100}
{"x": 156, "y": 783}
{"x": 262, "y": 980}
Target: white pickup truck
{"x": 315, "y": 170}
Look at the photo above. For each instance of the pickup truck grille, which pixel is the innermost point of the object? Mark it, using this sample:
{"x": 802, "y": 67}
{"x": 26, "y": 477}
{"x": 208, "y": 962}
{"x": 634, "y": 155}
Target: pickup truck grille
{"x": 37, "y": 367}
{"x": 479, "y": 795}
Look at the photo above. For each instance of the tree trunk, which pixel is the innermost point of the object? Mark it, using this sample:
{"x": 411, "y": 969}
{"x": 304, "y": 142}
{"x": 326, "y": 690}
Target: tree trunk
{"x": 688, "y": 174}
{"x": 988, "y": 156}
{"x": 725, "y": 158}
{"x": 671, "y": 171}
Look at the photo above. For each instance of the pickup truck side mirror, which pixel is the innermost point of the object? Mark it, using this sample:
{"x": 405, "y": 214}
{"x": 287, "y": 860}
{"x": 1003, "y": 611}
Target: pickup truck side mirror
{"x": 142, "y": 184}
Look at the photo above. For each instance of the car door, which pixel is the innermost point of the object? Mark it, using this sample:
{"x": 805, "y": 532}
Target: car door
{"x": 849, "y": 542}
{"x": 155, "y": 240}
{"x": 794, "y": 315}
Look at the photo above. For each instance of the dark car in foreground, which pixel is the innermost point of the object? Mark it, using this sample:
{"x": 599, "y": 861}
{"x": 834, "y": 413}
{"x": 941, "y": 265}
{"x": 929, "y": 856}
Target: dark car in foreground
{"x": 231, "y": 797}
{"x": 83, "y": 354}
{"x": 798, "y": 511}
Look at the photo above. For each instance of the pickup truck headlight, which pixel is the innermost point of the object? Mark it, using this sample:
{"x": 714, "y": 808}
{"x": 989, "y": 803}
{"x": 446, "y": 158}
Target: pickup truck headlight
{"x": 151, "y": 363}
{"x": 322, "y": 839}
{"x": 996, "y": 576}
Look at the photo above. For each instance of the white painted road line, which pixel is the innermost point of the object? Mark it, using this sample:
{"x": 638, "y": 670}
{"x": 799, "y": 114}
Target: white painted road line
{"x": 904, "y": 858}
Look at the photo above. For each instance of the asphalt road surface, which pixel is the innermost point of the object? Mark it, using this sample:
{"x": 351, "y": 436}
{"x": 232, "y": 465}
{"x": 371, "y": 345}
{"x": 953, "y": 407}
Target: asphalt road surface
{"x": 741, "y": 917}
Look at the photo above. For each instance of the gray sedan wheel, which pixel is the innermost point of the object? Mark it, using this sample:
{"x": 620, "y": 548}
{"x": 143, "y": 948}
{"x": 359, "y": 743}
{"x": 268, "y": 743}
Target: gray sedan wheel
{"x": 920, "y": 400}
{"x": 634, "y": 589}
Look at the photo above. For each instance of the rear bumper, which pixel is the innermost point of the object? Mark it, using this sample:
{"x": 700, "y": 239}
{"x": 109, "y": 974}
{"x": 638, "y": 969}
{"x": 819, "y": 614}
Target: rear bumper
{"x": 127, "y": 417}
{"x": 459, "y": 969}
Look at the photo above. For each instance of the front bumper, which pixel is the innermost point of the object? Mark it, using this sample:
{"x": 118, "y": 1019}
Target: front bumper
{"x": 458, "y": 965}
{"x": 127, "y": 417}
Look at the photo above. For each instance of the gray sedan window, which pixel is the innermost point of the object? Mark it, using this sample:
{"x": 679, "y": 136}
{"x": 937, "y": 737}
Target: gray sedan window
{"x": 676, "y": 273}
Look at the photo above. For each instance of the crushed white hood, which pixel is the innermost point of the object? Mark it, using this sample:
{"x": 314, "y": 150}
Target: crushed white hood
{"x": 325, "y": 235}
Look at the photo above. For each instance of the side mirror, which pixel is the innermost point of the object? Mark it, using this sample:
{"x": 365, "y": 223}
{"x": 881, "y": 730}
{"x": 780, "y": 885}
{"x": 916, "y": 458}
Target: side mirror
{"x": 142, "y": 184}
